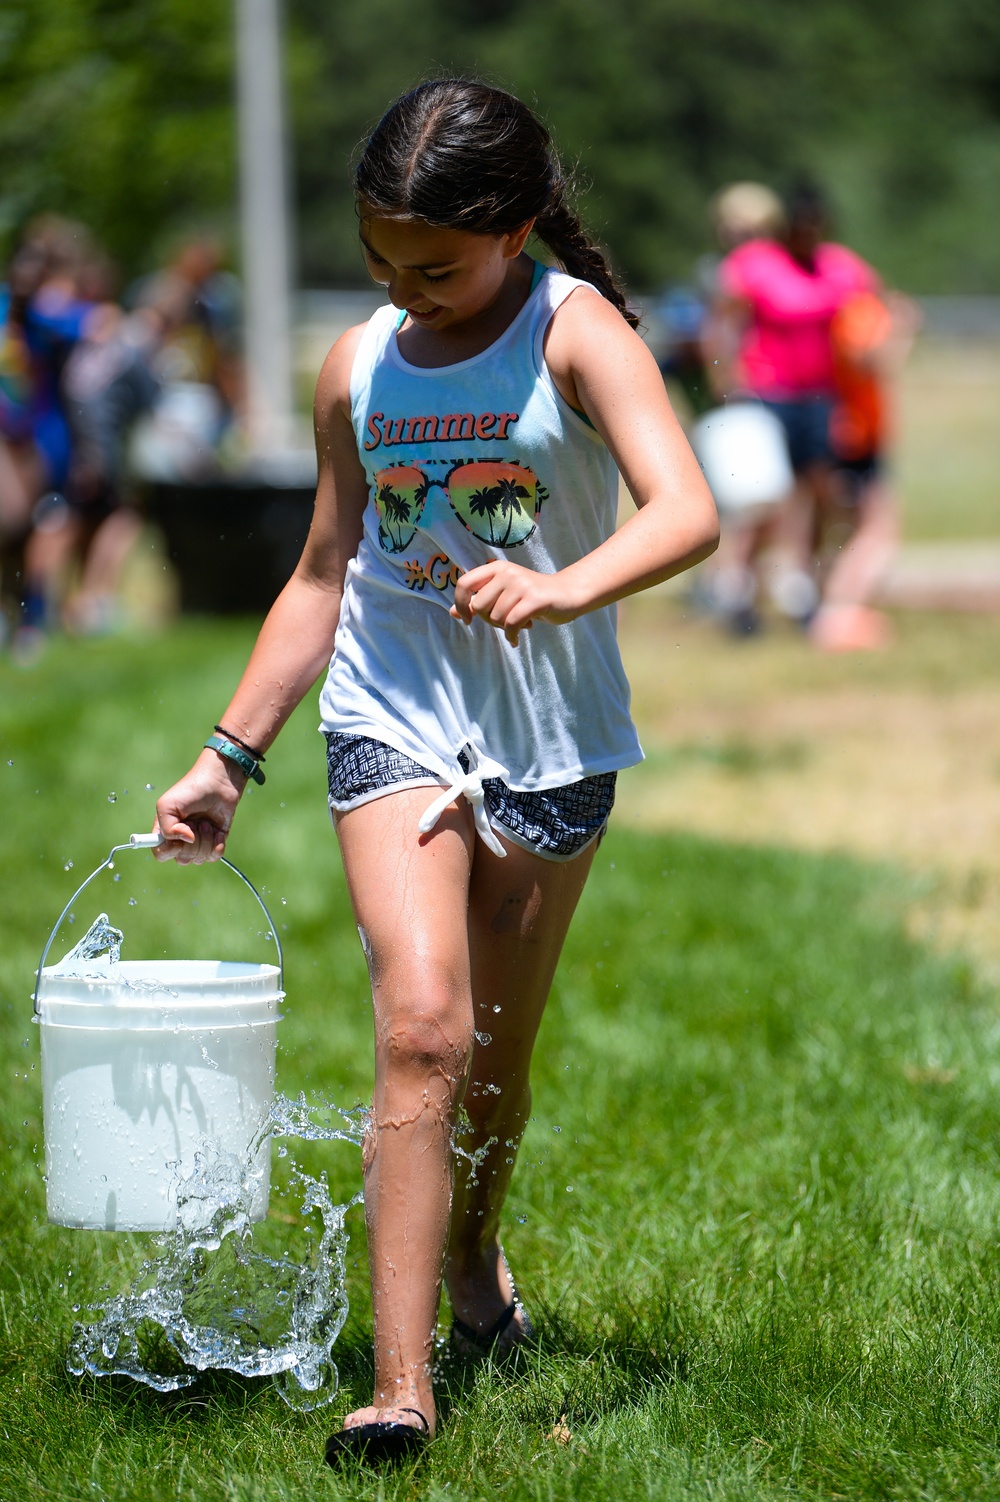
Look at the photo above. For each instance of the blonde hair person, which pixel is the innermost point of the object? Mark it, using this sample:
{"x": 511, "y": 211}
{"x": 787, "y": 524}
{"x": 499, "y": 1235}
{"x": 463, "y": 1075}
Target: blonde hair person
{"x": 746, "y": 211}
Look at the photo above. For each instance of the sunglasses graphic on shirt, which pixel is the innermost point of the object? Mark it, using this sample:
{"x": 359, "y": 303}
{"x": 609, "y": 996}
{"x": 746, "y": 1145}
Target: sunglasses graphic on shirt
{"x": 497, "y": 502}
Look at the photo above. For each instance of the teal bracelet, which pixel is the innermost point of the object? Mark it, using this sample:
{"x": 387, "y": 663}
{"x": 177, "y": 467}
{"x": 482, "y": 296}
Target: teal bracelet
{"x": 234, "y": 753}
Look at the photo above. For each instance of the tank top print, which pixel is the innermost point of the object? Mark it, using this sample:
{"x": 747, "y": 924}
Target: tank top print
{"x": 466, "y": 463}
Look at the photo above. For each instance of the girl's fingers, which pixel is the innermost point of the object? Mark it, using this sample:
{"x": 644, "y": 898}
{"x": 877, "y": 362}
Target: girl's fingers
{"x": 503, "y": 595}
{"x": 189, "y": 843}
{"x": 177, "y": 837}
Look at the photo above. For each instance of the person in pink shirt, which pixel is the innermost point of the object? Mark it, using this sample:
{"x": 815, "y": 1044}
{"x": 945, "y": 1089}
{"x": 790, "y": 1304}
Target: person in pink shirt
{"x": 778, "y": 298}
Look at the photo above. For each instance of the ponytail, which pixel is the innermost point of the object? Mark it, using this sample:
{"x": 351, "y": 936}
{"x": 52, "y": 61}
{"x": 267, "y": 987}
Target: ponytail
{"x": 463, "y": 155}
{"x": 558, "y": 227}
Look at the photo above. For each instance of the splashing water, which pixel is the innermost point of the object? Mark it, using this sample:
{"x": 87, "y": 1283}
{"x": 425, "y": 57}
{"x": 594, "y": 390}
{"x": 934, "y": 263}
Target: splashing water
{"x": 474, "y": 1157}
{"x": 98, "y": 955}
{"x": 100, "y": 942}
{"x": 209, "y": 1300}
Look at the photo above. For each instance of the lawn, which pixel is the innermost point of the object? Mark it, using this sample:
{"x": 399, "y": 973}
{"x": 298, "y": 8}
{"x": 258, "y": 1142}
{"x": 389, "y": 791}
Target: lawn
{"x": 755, "y": 1217}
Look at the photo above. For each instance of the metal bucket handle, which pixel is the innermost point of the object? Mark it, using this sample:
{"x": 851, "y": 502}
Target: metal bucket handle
{"x": 150, "y": 842}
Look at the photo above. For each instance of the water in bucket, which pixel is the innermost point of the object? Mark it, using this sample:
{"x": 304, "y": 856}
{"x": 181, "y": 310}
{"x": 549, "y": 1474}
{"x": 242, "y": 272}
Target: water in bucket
{"x": 144, "y": 1064}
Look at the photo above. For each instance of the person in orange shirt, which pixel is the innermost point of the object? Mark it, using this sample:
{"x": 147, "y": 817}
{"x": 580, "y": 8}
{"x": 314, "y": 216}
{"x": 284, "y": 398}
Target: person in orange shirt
{"x": 870, "y": 336}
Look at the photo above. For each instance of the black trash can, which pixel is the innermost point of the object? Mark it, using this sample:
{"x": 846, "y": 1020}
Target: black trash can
{"x": 233, "y": 542}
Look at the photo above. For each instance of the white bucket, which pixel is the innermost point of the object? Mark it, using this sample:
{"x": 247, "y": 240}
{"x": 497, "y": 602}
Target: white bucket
{"x": 744, "y": 455}
{"x": 144, "y": 1064}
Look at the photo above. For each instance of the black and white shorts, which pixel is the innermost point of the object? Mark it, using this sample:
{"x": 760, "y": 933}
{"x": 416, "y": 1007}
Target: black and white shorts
{"x": 556, "y": 823}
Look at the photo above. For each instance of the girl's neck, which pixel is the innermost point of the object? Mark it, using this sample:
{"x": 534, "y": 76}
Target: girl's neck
{"x": 429, "y": 349}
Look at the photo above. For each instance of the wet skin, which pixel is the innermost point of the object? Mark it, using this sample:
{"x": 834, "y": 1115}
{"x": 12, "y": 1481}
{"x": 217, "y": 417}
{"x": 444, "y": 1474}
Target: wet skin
{"x": 463, "y": 932}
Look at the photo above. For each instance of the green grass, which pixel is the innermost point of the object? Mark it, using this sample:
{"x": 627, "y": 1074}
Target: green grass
{"x": 756, "y": 1212}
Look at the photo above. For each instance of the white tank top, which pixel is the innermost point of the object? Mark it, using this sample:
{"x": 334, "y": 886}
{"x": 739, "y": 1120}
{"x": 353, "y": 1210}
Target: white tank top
{"x": 468, "y": 462}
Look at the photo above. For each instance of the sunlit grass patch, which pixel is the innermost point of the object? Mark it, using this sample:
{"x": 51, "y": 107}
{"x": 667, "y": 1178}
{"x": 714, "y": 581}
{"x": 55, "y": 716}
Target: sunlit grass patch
{"x": 755, "y": 1217}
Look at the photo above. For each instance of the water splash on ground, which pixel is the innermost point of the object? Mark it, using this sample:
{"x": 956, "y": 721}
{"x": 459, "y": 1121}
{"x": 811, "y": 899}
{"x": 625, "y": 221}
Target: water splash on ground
{"x": 209, "y": 1300}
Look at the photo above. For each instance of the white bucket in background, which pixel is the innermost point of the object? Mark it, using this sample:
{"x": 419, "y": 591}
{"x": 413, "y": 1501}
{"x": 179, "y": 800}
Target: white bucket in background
{"x": 144, "y": 1063}
{"x": 744, "y": 455}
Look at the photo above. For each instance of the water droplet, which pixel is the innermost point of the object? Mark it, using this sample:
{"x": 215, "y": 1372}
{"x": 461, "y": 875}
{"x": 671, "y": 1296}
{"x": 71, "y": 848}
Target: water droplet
{"x": 68, "y": 866}
{"x": 150, "y": 788}
{"x": 484, "y": 1038}
{"x": 522, "y": 1220}
{"x": 133, "y": 901}
{"x": 112, "y": 797}
{"x": 498, "y": 1009}
{"x": 117, "y": 876}
{"x": 569, "y": 1188}
{"x": 557, "y": 1129}
{"x": 10, "y": 761}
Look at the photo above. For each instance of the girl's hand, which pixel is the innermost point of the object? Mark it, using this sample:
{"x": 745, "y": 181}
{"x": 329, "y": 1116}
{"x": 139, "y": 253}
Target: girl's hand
{"x": 511, "y": 597}
{"x": 195, "y": 815}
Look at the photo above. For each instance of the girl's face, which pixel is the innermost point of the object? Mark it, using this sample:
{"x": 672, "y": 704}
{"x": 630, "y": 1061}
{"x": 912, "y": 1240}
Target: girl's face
{"x": 442, "y": 277}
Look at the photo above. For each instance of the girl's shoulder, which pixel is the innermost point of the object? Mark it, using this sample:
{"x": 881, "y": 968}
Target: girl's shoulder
{"x": 585, "y": 334}
{"x": 333, "y": 388}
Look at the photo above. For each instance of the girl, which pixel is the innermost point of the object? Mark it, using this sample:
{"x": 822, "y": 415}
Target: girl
{"x": 461, "y": 562}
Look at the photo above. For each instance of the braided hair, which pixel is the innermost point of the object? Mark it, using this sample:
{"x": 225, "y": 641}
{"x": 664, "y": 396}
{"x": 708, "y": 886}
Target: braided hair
{"x": 462, "y": 155}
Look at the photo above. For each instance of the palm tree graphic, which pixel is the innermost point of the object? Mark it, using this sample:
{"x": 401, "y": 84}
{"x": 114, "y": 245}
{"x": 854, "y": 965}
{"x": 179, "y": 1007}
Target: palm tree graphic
{"x": 511, "y": 494}
{"x": 394, "y": 509}
{"x": 486, "y": 502}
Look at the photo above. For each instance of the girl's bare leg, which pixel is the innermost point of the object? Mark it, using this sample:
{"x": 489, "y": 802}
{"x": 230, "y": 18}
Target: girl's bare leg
{"x": 519, "y": 911}
{"x": 845, "y": 622}
{"x": 48, "y": 555}
{"x": 793, "y": 582}
{"x": 865, "y": 558}
{"x": 21, "y": 481}
{"x": 410, "y": 896}
{"x": 104, "y": 562}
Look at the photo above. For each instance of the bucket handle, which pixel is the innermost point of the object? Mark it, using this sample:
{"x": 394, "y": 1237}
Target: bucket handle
{"x": 150, "y": 842}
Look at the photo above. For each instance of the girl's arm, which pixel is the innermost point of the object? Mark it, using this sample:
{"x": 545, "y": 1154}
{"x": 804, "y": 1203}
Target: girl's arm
{"x": 602, "y": 367}
{"x": 296, "y": 639}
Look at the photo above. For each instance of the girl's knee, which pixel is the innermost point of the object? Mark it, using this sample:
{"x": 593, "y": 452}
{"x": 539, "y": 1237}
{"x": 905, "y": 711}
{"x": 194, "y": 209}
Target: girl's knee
{"x": 429, "y": 1034}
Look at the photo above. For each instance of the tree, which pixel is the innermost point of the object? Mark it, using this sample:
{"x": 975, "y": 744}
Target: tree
{"x": 120, "y": 111}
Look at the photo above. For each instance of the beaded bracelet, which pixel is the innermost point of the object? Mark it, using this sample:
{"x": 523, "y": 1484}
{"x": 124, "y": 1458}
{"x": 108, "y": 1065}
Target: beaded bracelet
{"x": 236, "y": 754}
{"x": 221, "y": 729}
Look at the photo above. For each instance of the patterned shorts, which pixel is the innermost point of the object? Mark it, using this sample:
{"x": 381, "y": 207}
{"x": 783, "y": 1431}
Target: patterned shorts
{"x": 557, "y": 823}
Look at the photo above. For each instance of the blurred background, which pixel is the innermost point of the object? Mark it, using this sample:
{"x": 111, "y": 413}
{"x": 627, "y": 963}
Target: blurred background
{"x": 156, "y": 451}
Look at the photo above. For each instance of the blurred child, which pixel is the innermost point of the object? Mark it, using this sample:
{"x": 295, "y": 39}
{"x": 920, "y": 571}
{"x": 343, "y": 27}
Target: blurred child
{"x": 742, "y": 213}
{"x": 101, "y": 382}
{"x": 778, "y": 298}
{"x": 870, "y": 336}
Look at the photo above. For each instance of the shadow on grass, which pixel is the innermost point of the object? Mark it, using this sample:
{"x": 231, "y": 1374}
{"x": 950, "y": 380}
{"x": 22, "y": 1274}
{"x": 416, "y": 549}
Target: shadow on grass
{"x": 576, "y": 1371}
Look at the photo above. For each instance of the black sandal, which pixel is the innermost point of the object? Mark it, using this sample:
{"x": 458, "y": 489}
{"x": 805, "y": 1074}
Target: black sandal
{"x": 382, "y": 1443}
{"x": 471, "y": 1342}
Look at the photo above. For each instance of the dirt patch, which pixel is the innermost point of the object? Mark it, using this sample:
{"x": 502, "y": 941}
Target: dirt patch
{"x": 893, "y": 757}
